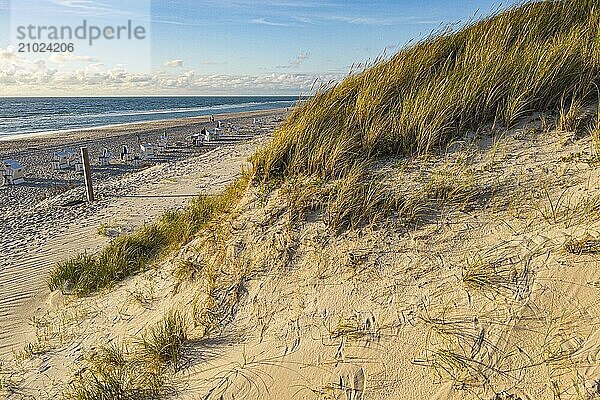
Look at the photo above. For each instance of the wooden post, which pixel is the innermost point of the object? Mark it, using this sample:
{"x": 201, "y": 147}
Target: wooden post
{"x": 87, "y": 174}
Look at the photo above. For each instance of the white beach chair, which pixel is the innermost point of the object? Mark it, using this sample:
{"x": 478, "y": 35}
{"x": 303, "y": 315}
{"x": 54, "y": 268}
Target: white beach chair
{"x": 79, "y": 166}
{"x": 104, "y": 159}
{"x": 147, "y": 151}
{"x": 12, "y": 173}
{"x": 163, "y": 142}
{"x": 64, "y": 159}
{"x": 72, "y": 157}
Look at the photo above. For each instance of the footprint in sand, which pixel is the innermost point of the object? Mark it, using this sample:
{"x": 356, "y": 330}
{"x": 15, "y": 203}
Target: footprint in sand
{"x": 351, "y": 380}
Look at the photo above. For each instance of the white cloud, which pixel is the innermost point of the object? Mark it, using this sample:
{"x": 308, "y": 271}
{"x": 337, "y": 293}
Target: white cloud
{"x": 174, "y": 63}
{"x": 70, "y": 57}
{"x": 38, "y": 77}
{"x": 377, "y": 21}
{"x": 84, "y": 5}
{"x": 300, "y": 58}
{"x": 8, "y": 54}
{"x": 264, "y": 21}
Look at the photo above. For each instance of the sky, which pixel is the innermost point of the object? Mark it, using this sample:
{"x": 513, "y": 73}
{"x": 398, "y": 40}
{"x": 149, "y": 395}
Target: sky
{"x": 211, "y": 47}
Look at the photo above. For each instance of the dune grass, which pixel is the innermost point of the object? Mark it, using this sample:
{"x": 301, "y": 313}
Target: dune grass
{"x": 542, "y": 56}
{"x": 113, "y": 372}
{"x": 163, "y": 343}
{"x": 110, "y": 374}
{"x": 128, "y": 254}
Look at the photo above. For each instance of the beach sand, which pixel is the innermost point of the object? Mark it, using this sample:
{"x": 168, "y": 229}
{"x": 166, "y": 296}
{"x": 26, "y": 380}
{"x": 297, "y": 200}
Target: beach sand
{"x": 37, "y": 229}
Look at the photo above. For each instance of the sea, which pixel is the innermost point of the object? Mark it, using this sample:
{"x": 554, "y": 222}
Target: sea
{"x": 31, "y": 115}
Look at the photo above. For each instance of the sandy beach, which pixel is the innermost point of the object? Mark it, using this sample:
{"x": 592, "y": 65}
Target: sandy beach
{"x": 38, "y": 229}
{"x": 422, "y": 225}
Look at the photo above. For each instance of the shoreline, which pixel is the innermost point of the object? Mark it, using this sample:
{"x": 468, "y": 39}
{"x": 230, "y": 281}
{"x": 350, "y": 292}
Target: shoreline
{"x": 143, "y": 125}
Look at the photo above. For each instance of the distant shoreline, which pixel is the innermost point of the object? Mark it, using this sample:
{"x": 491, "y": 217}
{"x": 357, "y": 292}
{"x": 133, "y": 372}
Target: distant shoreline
{"x": 135, "y": 126}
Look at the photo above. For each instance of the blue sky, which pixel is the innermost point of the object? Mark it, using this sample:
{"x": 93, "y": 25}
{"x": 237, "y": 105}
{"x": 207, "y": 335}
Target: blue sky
{"x": 218, "y": 46}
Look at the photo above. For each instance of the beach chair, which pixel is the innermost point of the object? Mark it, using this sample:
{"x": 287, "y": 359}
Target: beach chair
{"x": 197, "y": 140}
{"x": 63, "y": 159}
{"x": 136, "y": 161}
{"x": 79, "y": 166}
{"x": 12, "y": 173}
{"x": 147, "y": 151}
{"x": 126, "y": 155}
{"x": 163, "y": 142}
{"x": 78, "y": 163}
{"x": 209, "y": 136}
{"x": 104, "y": 159}
{"x": 72, "y": 157}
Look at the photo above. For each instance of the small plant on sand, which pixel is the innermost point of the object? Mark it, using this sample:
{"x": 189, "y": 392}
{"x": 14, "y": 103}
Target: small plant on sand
{"x": 163, "y": 343}
{"x": 188, "y": 269}
{"x": 508, "y": 277}
{"x": 125, "y": 256}
{"x": 139, "y": 373}
{"x": 456, "y": 349}
{"x": 354, "y": 329}
{"x": 586, "y": 245}
{"x": 452, "y": 183}
{"x": 111, "y": 374}
{"x": 7, "y": 385}
{"x": 143, "y": 294}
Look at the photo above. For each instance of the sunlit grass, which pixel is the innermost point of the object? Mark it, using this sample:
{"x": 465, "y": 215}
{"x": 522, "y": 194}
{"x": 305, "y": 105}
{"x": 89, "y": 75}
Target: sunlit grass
{"x": 541, "y": 56}
{"x": 128, "y": 254}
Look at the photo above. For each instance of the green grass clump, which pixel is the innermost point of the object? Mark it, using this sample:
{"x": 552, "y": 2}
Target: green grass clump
{"x": 541, "y": 56}
{"x": 142, "y": 372}
{"x": 163, "y": 343}
{"x": 128, "y": 254}
{"x": 110, "y": 374}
